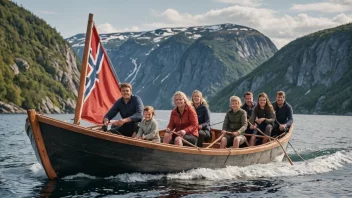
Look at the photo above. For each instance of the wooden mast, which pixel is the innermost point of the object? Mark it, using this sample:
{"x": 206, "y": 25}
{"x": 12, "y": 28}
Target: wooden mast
{"x": 84, "y": 67}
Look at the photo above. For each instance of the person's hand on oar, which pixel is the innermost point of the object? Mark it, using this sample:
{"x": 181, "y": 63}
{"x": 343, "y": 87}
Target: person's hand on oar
{"x": 282, "y": 127}
{"x": 105, "y": 124}
{"x": 253, "y": 127}
{"x": 260, "y": 120}
{"x": 167, "y": 130}
{"x": 235, "y": 133}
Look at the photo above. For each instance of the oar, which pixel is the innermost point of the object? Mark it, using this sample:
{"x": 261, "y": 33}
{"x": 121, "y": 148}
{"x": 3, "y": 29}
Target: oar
{"x": 291, "y": 145}
{"x": 185, "y": 141}
{"x": 91, "y": 127}
{"x": 99, "y": 125}
{"x": 296, "y": 151}
{"x": 258, "y": 136}
{"x": 216, "y": 123}
{"x": 215, "y": 141}
{"x": 260, "y": 131}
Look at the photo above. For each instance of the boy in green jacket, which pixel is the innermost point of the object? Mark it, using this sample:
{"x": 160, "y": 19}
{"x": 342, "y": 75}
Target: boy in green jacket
{"x": 235, "y": 124}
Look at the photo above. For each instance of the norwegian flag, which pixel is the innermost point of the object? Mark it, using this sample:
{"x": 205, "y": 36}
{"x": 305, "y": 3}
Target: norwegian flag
{"x": 101, "y": 88}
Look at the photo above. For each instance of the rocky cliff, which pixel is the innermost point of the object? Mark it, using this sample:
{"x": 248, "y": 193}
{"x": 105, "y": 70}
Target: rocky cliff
{"x": 38, "y": 68}
{"x": 162, "y": 61}
{"x": 315, "y": 71}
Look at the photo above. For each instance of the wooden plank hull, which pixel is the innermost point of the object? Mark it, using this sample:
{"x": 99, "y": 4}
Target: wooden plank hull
{"x": 74, "y": 149}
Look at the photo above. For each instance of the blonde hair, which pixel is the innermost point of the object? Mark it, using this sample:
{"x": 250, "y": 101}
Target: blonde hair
{"x": 236, "y": 98}
{"x": 202, "y": 100}
{"x": 183, "y": 95}
{"x": 149, "y": 108}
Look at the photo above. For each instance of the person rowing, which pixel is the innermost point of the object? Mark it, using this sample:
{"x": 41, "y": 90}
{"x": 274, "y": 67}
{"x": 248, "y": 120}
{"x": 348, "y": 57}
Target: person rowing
{"x": 263, "y": 117}
{"x": 235, "y": 123}
{"x": 183, "y": 120}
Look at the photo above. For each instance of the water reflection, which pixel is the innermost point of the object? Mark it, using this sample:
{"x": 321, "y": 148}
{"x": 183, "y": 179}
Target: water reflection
{"x": 84, "y": 187}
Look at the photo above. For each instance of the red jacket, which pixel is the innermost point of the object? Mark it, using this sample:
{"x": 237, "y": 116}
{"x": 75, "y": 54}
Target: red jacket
{"x": 188, "y": 121}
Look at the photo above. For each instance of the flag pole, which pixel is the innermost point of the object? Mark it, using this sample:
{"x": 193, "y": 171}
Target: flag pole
{"x": 84, "y": 67}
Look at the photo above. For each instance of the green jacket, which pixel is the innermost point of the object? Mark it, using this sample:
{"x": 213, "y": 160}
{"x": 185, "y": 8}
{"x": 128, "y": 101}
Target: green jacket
{"x": 235, "y": 121}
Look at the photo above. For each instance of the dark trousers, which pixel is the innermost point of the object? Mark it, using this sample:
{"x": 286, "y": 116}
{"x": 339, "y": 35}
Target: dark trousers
{"x": 204, "y": 135}
{"x": 265, "y": 128}
{"x": 229, "y": 138}
{"x": 249, "y": 131}
{"x": 190, "y": 138}
{"x": 277, "y": 131}
{"x": 127, "y": 129}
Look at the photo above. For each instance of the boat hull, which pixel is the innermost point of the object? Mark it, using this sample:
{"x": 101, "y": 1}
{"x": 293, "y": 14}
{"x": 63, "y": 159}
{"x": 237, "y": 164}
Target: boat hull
{"x": 72, "y": 149}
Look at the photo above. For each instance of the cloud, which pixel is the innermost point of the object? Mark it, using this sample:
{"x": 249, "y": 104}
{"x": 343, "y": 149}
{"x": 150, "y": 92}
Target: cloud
{"x": 249, "y": 3}
{"x": 332, "y": 6}
{"x": 280, "y": 29}
{"x": 47, "y": 12}
{"x": 235, "y": 13}
{"x": 108, "y": 28}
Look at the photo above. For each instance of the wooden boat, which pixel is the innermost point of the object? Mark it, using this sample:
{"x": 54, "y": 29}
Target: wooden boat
{"x": 65, "y": 149}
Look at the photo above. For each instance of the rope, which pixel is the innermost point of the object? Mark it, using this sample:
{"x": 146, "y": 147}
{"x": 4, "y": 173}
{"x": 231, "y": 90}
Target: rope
{"x": 227, "y": 157}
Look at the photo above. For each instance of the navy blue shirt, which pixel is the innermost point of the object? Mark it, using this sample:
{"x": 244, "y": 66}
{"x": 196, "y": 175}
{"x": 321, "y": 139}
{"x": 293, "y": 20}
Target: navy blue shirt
{"x": 203, "y": 116}
{"x": 284, "y": 114}
{"x": 132, "y": 109}
{"x": 248, "y": 109}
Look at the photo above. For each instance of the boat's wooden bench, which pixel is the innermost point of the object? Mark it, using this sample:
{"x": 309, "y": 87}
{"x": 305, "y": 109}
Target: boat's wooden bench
{"x": 214, "y": 136}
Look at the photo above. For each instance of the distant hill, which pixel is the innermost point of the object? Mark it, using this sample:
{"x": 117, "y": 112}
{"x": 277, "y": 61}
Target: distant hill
{"x": 162, "y": 61}
{"x": 315, "y": 71}
{"x": 38, "y": 68}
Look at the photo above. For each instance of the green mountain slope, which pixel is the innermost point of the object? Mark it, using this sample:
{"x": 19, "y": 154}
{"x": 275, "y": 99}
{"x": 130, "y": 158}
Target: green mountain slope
{"x": 37, "y": 67}
{"x": 315, "y": 71}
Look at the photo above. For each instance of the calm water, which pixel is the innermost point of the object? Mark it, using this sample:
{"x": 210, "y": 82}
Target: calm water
{"x": 324, "y": 141}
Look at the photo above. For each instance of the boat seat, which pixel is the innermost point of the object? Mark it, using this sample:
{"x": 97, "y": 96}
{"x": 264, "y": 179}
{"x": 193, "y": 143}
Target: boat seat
{"x": 213, "y": 136}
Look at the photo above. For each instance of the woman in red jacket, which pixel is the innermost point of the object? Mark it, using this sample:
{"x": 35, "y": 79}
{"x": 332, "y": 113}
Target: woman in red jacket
{"x": 183, "y": 121}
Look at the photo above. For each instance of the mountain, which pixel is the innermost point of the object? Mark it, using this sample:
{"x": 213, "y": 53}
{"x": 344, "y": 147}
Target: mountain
{"x": 162, "y": 61}
{"x": 38, "y": 68}
{"x": 315, "y": 72}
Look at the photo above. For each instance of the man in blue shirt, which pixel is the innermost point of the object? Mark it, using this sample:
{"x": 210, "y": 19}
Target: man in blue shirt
{"x": 283, "y": 112}
{"x": 130, "y": 108}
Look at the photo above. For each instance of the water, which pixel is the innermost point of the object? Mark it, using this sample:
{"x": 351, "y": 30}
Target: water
{"x": 324, "y": 141}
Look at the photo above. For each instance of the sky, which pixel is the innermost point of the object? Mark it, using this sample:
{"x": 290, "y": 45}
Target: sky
{"x": 281, "y": 20}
